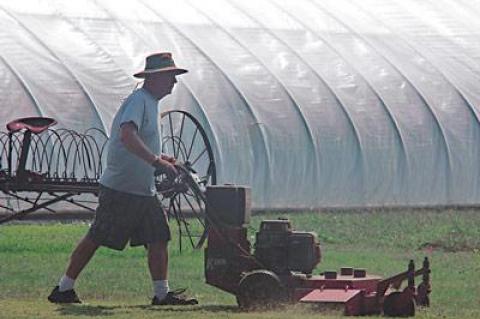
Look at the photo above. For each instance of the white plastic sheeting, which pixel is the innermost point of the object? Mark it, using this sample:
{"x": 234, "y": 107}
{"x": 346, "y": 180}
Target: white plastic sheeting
{"x": 313, "y": 103}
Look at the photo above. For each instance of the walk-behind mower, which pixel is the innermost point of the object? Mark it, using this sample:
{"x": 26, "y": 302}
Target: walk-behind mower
{"x": 278, "y": 270}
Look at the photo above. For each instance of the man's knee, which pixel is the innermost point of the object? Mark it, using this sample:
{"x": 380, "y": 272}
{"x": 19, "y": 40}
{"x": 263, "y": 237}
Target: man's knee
{"x": 87, "y": 245}
{"x": 158, "y": 246}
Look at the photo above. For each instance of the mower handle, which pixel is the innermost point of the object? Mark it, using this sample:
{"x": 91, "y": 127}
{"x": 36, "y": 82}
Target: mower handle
{"x": 186, "y": 177}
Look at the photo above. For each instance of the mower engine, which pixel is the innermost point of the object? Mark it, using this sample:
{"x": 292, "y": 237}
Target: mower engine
{"x": 283, "y": 250}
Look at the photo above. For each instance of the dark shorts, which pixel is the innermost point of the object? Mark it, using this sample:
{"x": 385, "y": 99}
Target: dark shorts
{"x": 122, "y": 217}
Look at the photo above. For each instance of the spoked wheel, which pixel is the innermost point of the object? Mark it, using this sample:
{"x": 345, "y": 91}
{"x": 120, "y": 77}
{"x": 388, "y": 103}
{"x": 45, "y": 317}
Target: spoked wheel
{"x": 184, "y": 138}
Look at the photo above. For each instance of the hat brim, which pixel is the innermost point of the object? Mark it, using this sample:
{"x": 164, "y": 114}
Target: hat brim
{"x": 172, "y": 69}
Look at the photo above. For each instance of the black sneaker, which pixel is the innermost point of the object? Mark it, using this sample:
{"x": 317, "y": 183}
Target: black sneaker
{"x": 174, "y": 298}
{"x": 68, "y": 296}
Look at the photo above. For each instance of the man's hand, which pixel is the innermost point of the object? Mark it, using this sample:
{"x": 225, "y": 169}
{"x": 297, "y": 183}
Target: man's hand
{"x": 165, "y": 167}
{"x": 169, "y": 159}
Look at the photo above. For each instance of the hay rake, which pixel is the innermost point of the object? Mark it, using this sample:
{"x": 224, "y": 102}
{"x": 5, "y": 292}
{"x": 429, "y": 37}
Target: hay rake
{"x": 41, "y": 167}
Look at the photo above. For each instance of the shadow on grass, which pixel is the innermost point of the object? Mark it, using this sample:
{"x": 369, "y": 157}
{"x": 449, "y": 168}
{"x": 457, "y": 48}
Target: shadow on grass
{"x": 208, "y": 308}
{"x": 104, "y": 311}
{"x": 86, "y": 310}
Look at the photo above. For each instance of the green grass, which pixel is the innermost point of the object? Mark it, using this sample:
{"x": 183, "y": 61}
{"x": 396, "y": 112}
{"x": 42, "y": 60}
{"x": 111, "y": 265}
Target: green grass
{"x": 117, "y": 285}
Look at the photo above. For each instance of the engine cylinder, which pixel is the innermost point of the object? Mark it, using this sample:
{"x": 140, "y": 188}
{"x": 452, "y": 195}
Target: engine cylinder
{"x": 283, "y": 250}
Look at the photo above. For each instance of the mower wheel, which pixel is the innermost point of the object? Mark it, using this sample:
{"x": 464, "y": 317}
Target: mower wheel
{"x": 261, "y": 289}
{"x": 399, "y": 304}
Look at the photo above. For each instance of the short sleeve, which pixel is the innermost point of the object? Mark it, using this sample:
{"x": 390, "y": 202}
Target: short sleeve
{"x": 133, "y": 110}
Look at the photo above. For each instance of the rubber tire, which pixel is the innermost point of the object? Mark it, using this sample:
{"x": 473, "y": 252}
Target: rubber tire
{"x": 261, "y": 289}
{"x": 398, "y": 304}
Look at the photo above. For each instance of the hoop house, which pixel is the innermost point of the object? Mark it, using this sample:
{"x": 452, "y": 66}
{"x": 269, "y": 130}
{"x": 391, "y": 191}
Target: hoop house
{"x": 313, "y": 103}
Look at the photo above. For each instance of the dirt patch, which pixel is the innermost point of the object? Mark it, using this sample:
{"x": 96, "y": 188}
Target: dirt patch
{"x": 449, "y": 246}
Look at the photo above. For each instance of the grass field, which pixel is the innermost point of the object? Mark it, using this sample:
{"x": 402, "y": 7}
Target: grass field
{"x": 117, "y": 285}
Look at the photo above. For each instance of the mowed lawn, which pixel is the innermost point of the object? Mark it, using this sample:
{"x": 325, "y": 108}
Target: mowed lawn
{"x": 117, "y": 284}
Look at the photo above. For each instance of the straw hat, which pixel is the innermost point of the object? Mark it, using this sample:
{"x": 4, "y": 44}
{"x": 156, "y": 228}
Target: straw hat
{"x": 159, "y": 62}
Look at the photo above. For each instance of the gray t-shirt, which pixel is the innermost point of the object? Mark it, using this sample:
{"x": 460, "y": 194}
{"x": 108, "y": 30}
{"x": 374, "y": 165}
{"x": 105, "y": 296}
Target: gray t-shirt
{"x": 125, "y": 171}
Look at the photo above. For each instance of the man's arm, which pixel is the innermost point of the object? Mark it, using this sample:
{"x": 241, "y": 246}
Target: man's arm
{"x": 133, "y": 143}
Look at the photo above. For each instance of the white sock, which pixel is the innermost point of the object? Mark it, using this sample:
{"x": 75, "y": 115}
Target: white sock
{"x": 66, "y": 283}
{"x": 160, "y": 288}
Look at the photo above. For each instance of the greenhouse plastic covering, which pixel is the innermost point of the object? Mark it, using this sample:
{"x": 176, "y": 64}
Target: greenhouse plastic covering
{"x": 312, "y": 103}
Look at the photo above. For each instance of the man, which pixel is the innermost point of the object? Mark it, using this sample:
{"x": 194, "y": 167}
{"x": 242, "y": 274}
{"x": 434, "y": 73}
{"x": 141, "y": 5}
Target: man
{"x": 128, "y": 208}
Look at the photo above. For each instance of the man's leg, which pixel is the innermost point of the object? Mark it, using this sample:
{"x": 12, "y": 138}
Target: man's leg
{"x": 158, "y": 266}
{"x": 80, "y": 257}
{"x": 158, "y": 260}
{"x": 154, "y": 230}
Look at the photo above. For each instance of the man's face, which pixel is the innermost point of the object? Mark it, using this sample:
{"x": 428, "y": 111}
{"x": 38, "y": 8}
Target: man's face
{"x": 161, "y": 83}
